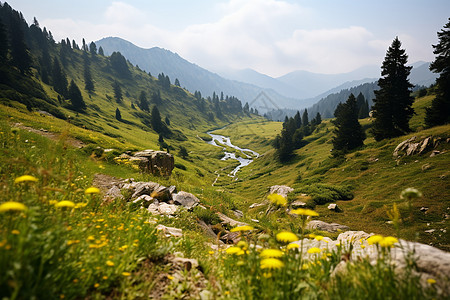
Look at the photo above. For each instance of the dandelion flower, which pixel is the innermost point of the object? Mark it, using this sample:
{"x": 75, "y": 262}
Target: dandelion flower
{"x": 266, "y": 253}
{"x": 374, "y": 239}
{"x": 293, "y": 246}
{"x": 242, "y": 228}
{"x": 12, "y": 206}
{"x": 65, "y": 203}
{"x": 277, "y": 199}
{"x": 318, "y": 237}
{"x": 109, "y": 263}
{"x": 96, "y": 285}
{"x": 304, "y": 212}
{"x": 271, "y": 263}
{"x": 126, "y": 274}
{"x": 388, "y": 241}
{"x": 15, "y": 232}
{"x": 81, "y": 204}
{"x": 431, "y": 281}
{"x": 410, "y": 193}
{"x": 242, "y": 245}
{"x": 286, "y": 237}
{"x": 314, "y": 250}
{"x": 233, "y": 250}
{"x": 25, "y": 178}
{"x": 92, "y": 190}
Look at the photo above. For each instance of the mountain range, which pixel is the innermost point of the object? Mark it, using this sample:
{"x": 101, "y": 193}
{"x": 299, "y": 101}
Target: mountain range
{"x": 296, "y": 90}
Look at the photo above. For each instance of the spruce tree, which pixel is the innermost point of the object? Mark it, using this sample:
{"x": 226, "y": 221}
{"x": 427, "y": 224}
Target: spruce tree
{"x": 143, "y": 103}
{"x": 88, "y": 83}
{"x": 118, "y": 115}
{"x": 155, "y": 120}
{"x": 439, "y": 111}
{"x": 4, "y": 44}
{"x": 348, "y": 133}
{"x": 393, "y": 101}
{"x": 305, "y": 120}
{"x": 59, "y": 79}
{"x": 117, "y": 91}
{"x": 100, "y": 51}
{"x": 75, "y": 97}
{"x": 20, "y": 54}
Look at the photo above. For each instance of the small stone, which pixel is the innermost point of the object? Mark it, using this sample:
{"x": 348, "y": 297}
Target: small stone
{"x": 254, "y": 220}
{"x": 170, "y": 231}
{"x": 430, "y": 230}
{"x": 426, "y": 167}
{"x": 238, "y": 213}
{"x": 333, "y": 206}
{"x": 298, "y": 204}
{"x": 423, "y": 209}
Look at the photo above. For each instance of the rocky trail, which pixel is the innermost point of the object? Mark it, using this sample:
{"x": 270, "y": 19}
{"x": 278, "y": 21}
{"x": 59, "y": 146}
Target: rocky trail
{"x": 159, "y": 200}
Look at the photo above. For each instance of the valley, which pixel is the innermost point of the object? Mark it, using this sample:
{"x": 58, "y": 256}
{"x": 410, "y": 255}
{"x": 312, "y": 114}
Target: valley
{"x": 125, "y": 182}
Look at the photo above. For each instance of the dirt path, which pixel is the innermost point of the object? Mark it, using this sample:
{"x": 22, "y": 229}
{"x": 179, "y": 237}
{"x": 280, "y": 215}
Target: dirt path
{"x": 52, "y": 135}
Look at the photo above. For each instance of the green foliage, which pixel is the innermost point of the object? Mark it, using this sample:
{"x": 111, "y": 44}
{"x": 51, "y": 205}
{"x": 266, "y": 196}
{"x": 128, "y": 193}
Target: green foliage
{"x": 119, "y": 65}
{"x": 438, "y": 112}
{"x": 75, "y": 97}
{"x": 206, "y": 215}
{"x": 393, "y": 102}
{"x": 325, "y": 193}
{"x": 348, "y": 133}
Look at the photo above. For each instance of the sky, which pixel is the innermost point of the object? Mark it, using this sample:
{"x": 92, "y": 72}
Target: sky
{"x": 273, "y": 37}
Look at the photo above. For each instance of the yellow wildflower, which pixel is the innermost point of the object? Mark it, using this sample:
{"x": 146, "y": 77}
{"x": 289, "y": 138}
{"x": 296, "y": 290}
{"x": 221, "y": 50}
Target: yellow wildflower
{"x": 109, "y": 263}
{"x": 92, "y": 190}
{"x": 12, "y": 206}
{"x": 304, "y": 212}
{"x": 105, "y": 277}
{"x": 271, "y": 263}
{"x": 286, "y": 237}
{"x": 65, "y": 203}
{"x": 90, "y": 238}
{"x": 431, "y": 281}
{"x": 170, "y": 277}
{"x": 71, "y": 242}
{"x": 293, "y": 246}
{"x": 314, "y": 250}
{"x": 233, "y": 250}
{"x": 15, "y": 232}
{"x": 266, "y": 253}
{"x": 126, "y": 274}
{"x": 96, "y": 285}
{"x": 80, "y": 204}
{"x": 277, "y": 199}
{"x": 374, "y": 239}
{"x": 242, "y": 228}
{"x": 319, "y": 237}
{"x": 388, "y": 241}
{"x": 242, "y": 245}
{"x": 25, "y": 178}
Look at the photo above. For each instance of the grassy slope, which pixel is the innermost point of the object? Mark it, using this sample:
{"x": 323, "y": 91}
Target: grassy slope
{"x": 374, "y": 176}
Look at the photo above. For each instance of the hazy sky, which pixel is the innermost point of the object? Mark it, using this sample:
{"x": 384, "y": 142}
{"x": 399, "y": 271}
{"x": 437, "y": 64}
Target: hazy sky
{"x": 273, "y": 37}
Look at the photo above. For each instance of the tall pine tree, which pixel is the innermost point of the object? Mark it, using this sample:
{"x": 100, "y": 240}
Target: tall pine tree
{"x": 59, "y": 79}
{"x": 4, "y": 44}
{"x": 20, "y": 53}
{"x": 393, "y": 101}
{"x": 439, "y": 111}
{"x": 348, "y": 133}
{"x": 75, "y": 97}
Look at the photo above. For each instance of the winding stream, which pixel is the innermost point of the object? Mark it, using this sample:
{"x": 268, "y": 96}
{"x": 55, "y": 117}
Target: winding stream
{"x": 245, "y": 156}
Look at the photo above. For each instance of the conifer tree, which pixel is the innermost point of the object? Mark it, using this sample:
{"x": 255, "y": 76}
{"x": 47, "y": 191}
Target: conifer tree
{"x": 183, "y": 152}
{"x": 177, "y": 82}
{"x": 75, "y": 97}
{"x": 305, "y": 120}
{"x": 393, "y": 101}
{"x": 100, "y": 51}
{"x": 93, "y": 48}
{"x": 143, "y": 103}
{"x": 88, "y": 83}
{"x": 348, "y": 133}
{"x": 4, "y": 44}
{"x": 20, "y": 54}
{"x": 439, "y": 111}
{"x": 155, "y": 120}
{"x": 298, "y": 120}
{"x": 117, "y": 91}
{"x": 118, "y": 115}
{"x": 59, "y": 79}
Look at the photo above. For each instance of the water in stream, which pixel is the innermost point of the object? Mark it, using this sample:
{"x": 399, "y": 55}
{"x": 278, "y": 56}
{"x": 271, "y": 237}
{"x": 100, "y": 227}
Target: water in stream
{"x": 246, "y": 155}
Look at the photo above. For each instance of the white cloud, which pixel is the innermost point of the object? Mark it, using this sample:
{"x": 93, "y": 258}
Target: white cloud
{"x": 270, "y": 36}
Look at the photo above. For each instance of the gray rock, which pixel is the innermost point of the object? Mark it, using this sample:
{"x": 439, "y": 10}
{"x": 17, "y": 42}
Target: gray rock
{"x": 282, "y": 190}
{"x": 298, "y": 204}
{"x": 227, "y": 220}
{"x": 162, "y": 193}
{"x": 185, "y": 199}
{"x": 231, "y": 237}
{"x": 143, "y": 188}
{"x": 113, "y": 193}
{"x": 167, "y": 209}
{"x": 330, "y": 227}
{"x": 254, "y": 205}
{"x": 172, "y": 189}
{"x": 170, "y": 231}
{"x": 155, "y": 162}
{"x": 238, "y": 213}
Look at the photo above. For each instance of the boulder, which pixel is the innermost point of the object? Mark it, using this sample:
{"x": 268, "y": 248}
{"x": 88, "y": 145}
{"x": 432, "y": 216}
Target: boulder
{"x": 161, "y": 193}
{"x": 170, "y": 231}
{"x": 227, "y": 220}
{"x": 143, "y": 188}
{"x": 113, "y": 193}
{"x": 185, "y": 199}
{"x": 155, "y": 162}
{"x": 162, "y": 209}
{"x": 330, "y": 227}
{"x": 298, "y": 204}
{"x": 238, "y": 213}
{"x": 282, "y": 190}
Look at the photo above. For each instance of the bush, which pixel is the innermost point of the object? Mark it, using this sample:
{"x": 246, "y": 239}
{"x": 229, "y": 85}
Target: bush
{"x": 206, "y": 215}
{"x": 325, "y": 193}
{"x": 180, "y": 166}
